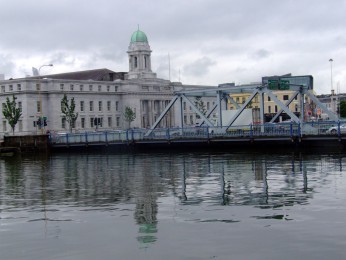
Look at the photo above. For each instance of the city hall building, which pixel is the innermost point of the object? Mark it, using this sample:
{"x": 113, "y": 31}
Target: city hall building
{"x": 100, "y": 95}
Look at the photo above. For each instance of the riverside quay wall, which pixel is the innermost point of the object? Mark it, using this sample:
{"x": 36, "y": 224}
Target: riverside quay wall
{"x": 27, "y": 143}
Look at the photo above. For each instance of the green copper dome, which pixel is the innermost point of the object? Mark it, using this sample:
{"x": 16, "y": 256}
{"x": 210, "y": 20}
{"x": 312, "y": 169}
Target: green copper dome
{"x": 139, "y": 36}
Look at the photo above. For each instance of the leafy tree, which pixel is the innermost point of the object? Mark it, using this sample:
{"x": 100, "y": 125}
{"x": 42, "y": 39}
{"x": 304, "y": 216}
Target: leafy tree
{"x": 11, "y": 112}
{"x": 68, "y": 110}
{"x": 129, "y": 115}
{"x": 200, "y": 106}
{"x": 343, "y": 109}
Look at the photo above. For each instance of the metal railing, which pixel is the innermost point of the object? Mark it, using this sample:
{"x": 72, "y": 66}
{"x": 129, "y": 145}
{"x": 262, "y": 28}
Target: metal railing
{"x": 286, "y": 129}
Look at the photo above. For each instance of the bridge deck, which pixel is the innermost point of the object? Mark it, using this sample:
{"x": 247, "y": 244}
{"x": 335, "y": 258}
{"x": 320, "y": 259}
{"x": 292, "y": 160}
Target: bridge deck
{"x": 289, "y": 135}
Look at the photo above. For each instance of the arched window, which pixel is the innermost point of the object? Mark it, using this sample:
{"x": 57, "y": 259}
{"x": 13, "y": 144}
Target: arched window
{"x": 136, "y": 62}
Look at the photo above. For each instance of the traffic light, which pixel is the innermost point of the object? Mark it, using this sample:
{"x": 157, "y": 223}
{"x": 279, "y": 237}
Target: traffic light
{"x": 39, "y": 122}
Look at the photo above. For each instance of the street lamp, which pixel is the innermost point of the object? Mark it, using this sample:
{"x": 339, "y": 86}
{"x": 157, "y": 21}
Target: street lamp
{"x": 39, "y": 94}
{"x": 331, "y": 75}
{"x": 334, "y": 100}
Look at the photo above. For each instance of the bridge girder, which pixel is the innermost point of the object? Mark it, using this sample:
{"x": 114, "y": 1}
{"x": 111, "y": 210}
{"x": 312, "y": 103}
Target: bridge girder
{"x": 224, "y": 93}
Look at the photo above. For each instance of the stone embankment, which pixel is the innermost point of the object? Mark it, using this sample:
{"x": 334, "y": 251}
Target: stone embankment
{"x": 27, "y": 143}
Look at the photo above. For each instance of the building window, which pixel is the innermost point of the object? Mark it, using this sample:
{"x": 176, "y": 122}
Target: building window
{"x": 82, "y": 122}
{"x": 19, "y": 87}
{"x": 100, "y": 105}
{"x": 82, "y": 106}
{"x": 184, "y": 106}
{"x": 81, "y": 87}
{"x": 118, "y": 121}
{"x": 71, "y": 87}
{"x": 109, "y": 122}
{"x": 91, "y": 105}
{"x": 108, "y": 88}
{"x": 38, "y": 86}
{"x": 276, "y": 109}
{"x": 90, "y": 87}
{"x": 108, "y": 106}
{"x": 269, "y": 99}
{"x": 38, "y": 106}
{"x": 20, "y": 125}
{"x": 61, "y": 86}
{"x": 116, "y": 105}
{"x": 269, "y": 109}
{"x": 11, "y": 87}
{"x": 285, "y": 97}
{"x": 20, "y": 106}
{"x": 191, "y": 119}
{"x": 135, "y": 62}
{"x": 185, "y": 120}
{"x": 63, "y": 123}
{"x": 296, "y": 108}
{"x": 115, "y": 88}
{"x": 99, "y": 88}
{"x": 2, "y": 89}
{"x": 91, "y": 122}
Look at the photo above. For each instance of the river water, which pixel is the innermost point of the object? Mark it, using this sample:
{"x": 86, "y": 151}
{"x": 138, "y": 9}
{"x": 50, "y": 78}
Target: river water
{"x": 173, "y": 206}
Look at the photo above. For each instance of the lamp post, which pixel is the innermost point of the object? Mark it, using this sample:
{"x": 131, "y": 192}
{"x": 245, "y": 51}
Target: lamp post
{"x": 331, "y": 75}
{"x": 334, "y": 100}
{"x": 39, "y": 94}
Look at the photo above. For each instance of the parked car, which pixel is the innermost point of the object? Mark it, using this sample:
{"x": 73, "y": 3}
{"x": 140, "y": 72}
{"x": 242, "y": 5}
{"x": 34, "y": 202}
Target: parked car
{"x": 334, "y": 129}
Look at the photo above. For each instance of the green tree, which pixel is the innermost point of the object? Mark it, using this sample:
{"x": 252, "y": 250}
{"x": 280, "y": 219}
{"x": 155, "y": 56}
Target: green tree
{"x": 68, "y": 110}
{"x": 11, "y": 112}
{"x": 129, "y": 115}
{"x": 343, "y": 109}
{"x": 200, "y": 106}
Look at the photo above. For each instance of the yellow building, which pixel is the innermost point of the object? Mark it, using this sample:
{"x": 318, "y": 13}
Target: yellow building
{"x": 270, "y": 108}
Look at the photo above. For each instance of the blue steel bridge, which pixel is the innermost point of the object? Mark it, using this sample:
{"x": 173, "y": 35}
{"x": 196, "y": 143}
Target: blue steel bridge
{"x": 231, "y": 131}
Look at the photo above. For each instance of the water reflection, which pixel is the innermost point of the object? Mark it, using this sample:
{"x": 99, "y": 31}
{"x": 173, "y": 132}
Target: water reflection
{"x": 105, "y": 181}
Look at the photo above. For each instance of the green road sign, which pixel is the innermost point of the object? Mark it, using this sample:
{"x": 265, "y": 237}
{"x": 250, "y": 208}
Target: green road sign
{"x": 284, "y": 84}
{"x": 273, "y": 84}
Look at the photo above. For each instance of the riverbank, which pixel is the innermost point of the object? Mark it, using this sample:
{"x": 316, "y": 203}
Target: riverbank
{"x": 23, "y": 144}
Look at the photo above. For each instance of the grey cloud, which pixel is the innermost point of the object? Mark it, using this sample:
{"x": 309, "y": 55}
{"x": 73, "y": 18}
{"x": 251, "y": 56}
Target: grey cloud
{"x": 260, "y": 54}
{"x": 198, "y": 67}
{"x": 85, "y": 34}
{"x": 6, "y": 66}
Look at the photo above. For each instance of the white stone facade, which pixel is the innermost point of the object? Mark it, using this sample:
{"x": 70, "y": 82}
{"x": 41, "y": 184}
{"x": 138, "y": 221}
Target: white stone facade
{"x": 141, "y": 90}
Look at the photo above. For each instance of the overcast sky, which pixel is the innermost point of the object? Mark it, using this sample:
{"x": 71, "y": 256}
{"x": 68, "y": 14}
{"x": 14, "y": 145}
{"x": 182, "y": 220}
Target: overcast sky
{"x": 208, "y": 41}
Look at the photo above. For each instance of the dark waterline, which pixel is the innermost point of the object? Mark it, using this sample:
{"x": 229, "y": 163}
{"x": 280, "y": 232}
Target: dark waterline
{"x": 193, "y": 205}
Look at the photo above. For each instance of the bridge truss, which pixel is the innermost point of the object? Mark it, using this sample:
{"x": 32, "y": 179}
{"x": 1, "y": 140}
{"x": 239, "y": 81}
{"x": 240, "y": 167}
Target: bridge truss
{"x": 223, "y": 94}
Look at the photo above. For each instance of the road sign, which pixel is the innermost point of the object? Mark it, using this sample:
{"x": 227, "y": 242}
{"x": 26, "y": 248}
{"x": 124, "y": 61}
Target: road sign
{"x": 284, "y": 84}
{"x": 273, "y": 84}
